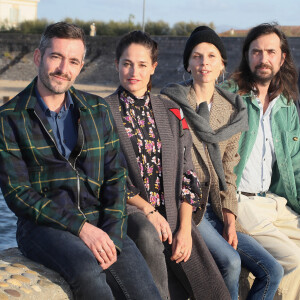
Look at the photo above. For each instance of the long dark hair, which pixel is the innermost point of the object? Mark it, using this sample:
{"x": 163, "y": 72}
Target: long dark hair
{"x": 140, "y": 38}
{"x": 285, "y": 81}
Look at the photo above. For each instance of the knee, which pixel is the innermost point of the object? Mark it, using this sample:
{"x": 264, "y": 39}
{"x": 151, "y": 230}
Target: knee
{"x": 144, "y": 234}
{"x": 291, "y": 263}
{"x": 231, "y": 270}
{"x": 89, "y": 282}
{"x": 276, "y": 272}
{"x": 271, "y": 272}
{"x": 87, "y": 274}
{"x": 148, "y": 240}
{"x": 232, "y": 266}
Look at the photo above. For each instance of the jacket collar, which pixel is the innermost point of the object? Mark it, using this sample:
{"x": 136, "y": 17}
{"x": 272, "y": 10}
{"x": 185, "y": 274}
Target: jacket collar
{"x": 27, "y": 99}
{"x": 280, "y": 103}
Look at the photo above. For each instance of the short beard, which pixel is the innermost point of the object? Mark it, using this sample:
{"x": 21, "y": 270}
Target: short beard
{"x": 262, "y": 79}
{"x": 45, "y": 79}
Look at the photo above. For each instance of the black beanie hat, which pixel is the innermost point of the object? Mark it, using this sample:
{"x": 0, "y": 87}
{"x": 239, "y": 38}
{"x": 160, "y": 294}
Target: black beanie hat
{"x": 202, "y": 34}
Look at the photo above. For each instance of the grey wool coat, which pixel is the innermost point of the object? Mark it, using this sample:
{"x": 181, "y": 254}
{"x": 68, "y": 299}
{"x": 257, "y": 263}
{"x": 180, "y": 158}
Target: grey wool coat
{"x": 203, "y": 274}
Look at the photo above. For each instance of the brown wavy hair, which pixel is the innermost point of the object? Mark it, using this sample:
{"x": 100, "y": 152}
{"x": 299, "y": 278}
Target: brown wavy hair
{"x": 285, "y": 81}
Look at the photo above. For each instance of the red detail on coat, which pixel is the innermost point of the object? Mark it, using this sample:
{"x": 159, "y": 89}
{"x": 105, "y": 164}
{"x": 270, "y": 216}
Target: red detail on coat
{"x": 184, "y": 124}
{"x": 178, "y": 113}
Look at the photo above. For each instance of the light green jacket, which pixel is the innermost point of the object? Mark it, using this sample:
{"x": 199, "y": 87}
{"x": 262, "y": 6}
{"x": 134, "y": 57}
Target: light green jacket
{"x": 286, "y": 137}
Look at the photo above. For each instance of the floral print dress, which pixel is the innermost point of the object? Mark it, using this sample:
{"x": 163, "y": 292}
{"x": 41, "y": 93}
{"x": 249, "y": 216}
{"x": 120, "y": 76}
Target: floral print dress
{"x": 139, "y": 123}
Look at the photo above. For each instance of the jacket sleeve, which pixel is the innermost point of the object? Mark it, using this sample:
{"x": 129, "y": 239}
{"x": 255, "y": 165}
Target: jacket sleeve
{"x": 230, "y": 160}
{"x": 286, "y": 170}
{"x": 113, "y": 191}
{"x": 295, "y": 154}
{"x": 17, "y": 189}
{"x": 292, "y": 142}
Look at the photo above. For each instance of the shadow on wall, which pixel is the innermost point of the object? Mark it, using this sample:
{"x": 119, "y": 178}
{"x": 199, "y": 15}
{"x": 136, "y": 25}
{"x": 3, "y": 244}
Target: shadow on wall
{"x": 99, "y": 63}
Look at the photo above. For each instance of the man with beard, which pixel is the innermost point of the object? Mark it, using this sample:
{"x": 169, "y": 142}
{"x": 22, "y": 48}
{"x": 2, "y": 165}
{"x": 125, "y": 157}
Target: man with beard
{"x": 63, "y": 175}
{"x": 268, "y": 174}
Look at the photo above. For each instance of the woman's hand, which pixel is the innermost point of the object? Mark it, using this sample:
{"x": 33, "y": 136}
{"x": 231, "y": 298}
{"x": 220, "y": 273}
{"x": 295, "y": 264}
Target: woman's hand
{"x": 229, "y": 231}
{"x": 161, "y": 225}
{"x": 158, "y": 221}
{"x": 182, "y": 245}
{"x": 182, "y": 242}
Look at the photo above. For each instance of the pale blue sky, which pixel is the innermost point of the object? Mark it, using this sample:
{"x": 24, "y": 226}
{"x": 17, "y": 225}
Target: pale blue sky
{"x": 225, "y": 14}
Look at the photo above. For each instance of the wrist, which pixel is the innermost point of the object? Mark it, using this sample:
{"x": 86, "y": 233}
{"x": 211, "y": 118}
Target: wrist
{"x": 147, "y": 209}
{"x": 185, "y": 226}
{"x": 151, "y": 212}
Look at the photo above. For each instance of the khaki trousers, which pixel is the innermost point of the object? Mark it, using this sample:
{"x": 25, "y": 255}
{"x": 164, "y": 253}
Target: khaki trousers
{"x": 277, "y": 228}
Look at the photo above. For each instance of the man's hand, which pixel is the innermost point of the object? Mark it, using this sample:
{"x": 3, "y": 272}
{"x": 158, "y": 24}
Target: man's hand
{"x": 100, "y": 244}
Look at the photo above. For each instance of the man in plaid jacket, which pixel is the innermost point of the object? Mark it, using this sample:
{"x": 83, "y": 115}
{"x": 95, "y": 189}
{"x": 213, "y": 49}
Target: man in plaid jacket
{"x": 63, "y": 175}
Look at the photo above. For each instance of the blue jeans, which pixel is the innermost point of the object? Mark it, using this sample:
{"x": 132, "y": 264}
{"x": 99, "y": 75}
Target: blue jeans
{"x": 267, "y": 271}
{"x": 65, "y": 253}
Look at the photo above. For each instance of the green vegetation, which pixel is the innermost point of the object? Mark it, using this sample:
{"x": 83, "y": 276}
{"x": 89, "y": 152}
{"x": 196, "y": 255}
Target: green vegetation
{"x": 113, "y": 28}
{"x": 8, "y": 55}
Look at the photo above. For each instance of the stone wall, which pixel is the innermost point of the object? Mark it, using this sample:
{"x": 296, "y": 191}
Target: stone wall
{"x": 100, "y": 69}
{"x": 21, "y": 278}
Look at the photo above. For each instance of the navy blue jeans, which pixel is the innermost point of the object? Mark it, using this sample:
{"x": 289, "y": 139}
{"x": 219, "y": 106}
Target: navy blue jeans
{"x": 65, "y": 253}
{"x": 250, "y": 254}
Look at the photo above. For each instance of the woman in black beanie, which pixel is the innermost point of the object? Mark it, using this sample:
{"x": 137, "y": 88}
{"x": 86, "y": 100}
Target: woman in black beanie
{"x": 216, "y": 119}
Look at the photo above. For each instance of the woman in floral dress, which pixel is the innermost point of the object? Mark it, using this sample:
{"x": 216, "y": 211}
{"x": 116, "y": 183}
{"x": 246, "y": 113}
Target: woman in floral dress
{"x": 164, "y": 195}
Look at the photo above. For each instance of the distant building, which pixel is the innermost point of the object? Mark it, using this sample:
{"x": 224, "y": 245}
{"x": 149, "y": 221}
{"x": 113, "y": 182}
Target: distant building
{"x": 290, "y": 31}
{"x": 234, "y": 32}
{"x": 13, "y": 12}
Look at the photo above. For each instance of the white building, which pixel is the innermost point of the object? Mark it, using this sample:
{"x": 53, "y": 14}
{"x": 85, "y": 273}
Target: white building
{"x": 13, "y": 12}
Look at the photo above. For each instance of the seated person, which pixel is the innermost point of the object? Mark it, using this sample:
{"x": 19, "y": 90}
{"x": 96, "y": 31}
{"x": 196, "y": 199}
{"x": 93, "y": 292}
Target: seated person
{"x": 216, "y": 118}
{"x": 64, "y": 176}
{"x": 268, "y": 174}
{"x": 164, "y": 191}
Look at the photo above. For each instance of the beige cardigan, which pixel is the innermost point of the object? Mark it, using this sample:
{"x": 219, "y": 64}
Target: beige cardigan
{"x": 220, "y": 115}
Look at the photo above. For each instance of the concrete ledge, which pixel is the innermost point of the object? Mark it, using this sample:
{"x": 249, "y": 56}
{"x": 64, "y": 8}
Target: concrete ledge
{"x": 21, "y": 278}
{"x": 246, "y": 281}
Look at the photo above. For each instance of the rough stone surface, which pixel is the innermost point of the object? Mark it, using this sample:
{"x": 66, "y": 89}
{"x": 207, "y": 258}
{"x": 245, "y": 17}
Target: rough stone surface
{"x": 14, "y": 282}
{"x": 3, "y": 296}
{"x": 12, "y": 293}
{"x": 16, "y": 58}
{"x": 22, "y": 278}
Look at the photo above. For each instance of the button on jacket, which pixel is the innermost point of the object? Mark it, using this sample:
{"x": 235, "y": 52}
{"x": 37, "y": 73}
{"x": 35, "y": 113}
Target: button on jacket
{"x": 40, "y": 184}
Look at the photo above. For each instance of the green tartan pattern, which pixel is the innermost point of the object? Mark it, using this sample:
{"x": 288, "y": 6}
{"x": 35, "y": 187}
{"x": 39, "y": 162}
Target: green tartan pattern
{"x": 38, "y": 183}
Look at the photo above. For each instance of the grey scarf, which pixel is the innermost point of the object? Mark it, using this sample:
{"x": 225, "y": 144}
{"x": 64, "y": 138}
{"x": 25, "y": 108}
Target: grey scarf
{"x": 199, "y": 121}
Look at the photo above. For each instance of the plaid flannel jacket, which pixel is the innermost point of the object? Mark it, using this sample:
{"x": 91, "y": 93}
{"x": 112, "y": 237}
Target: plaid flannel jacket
{"x": 39, "y": 184}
